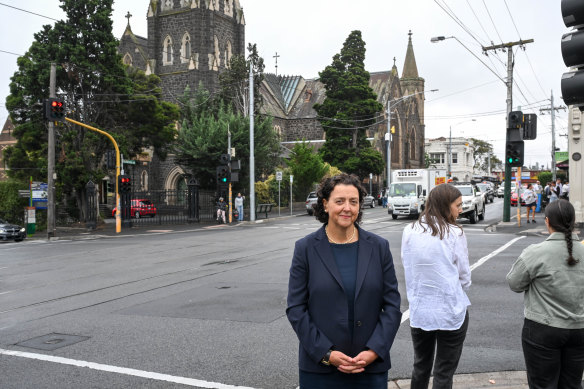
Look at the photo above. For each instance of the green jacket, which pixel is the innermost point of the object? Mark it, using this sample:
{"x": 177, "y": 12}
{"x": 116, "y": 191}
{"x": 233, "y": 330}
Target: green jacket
{"x": 554, "y": 291}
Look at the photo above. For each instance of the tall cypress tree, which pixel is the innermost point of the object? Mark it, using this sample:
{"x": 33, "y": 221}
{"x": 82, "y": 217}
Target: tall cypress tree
{"x": 349, "y": 109}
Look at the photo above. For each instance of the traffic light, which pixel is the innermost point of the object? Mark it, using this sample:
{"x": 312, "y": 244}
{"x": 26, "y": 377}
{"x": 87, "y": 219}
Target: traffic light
{"x": 514, "y": 153}
{"x": 515, "y": 119}
{"x": 529, "y": 126}
{"x": 573, "y": 53}
{"x": 124, "y": 184}
{"x": 222, "y": 174}
{"x": 54, "y": 110}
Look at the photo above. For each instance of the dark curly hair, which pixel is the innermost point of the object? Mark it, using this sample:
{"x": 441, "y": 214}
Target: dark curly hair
{"x": 327, "y": 185}
{"x": 561, "y": 217}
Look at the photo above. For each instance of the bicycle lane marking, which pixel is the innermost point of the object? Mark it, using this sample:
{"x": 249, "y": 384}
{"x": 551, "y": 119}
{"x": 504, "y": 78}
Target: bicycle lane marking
{"x": 406, "y": 314}
{"x": 122, "y": 370}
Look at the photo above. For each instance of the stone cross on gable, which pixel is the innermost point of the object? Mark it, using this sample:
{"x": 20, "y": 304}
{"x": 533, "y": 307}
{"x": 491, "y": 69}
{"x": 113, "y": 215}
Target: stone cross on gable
{"x": 276, "y": 56}
{"x": 128, "y": 16}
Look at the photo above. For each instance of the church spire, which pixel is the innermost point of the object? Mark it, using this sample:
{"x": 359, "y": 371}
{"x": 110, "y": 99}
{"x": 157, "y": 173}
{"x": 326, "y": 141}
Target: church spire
{"x": 410, "y": 67}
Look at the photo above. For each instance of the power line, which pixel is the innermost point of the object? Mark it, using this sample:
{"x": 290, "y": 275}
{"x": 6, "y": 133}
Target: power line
{"x": 492, "y": 21}
{"x": 30, "y": 12}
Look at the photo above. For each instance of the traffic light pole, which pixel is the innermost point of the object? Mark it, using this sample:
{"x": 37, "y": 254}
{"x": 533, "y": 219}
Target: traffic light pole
{"x": 509, "y": 47}
{"x": 118, "y": 202}
{"x": 51, "y": 225}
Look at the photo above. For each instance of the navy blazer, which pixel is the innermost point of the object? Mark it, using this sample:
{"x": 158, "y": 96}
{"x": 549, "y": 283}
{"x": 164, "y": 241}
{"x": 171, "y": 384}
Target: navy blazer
{"x": 317, "y": 304}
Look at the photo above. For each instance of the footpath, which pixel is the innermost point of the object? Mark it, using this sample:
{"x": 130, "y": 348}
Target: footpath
{"x": 499, "y": 380}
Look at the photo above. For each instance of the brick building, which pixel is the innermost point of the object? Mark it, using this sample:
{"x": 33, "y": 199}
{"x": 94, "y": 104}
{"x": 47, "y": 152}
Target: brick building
{"x": 6, "y": 140}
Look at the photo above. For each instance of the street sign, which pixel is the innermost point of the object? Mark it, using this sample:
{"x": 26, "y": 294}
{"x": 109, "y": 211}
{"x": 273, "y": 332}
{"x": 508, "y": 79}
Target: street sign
{"x": 128, "y": 162}
{"x": 291, "y": 178}
{"x": 278, "y": 176}
{"x": 24, "y": 193}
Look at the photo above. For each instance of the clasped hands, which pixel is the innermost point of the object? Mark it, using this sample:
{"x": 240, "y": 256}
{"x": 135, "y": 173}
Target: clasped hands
{"x": 346, "y": 364}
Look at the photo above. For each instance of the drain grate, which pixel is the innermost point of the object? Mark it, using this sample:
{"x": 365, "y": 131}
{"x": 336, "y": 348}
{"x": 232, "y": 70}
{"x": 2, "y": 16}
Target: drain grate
{"x": 52, "y": 342}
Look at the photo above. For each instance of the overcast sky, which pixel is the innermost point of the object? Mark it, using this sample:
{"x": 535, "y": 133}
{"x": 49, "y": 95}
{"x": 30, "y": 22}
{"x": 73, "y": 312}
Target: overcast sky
{"x": 307, "y": 33}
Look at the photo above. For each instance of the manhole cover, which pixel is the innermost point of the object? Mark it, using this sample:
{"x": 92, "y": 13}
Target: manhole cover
{"x": 52, "y": 341}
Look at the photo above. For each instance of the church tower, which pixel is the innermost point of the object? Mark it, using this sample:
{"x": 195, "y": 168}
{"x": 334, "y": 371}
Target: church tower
{"x": 189, "y": 41}
{"x": 411, "y": 82}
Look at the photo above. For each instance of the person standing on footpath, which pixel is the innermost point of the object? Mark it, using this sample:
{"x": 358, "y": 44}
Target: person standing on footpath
{"x": 221, "y": 208}
{"x": 537, "y": 189}
{"x": 530, "y": 202}
{"x": 551, "y": 275}
{"x": 437, "y": 273}
{"x": 343, "y": 300}
{"x": 239, "y": 205}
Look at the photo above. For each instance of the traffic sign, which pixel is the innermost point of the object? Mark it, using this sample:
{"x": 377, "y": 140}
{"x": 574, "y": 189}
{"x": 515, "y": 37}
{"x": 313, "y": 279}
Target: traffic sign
{"x": 278, "y": 176}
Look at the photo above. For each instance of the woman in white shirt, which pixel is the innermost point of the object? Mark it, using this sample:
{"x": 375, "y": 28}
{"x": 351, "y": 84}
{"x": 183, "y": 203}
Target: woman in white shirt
{"x": 437, "y": 273}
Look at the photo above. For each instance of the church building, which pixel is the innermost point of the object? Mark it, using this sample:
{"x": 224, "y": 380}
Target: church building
{"x": 191, "y": 41}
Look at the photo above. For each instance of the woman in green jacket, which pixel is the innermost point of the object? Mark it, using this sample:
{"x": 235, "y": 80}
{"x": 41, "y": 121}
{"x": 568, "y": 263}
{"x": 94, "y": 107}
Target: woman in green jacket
{"x": 552, "y": 276}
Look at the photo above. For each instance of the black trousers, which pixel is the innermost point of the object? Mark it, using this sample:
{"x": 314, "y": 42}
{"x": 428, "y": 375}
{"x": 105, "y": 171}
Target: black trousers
{"x": 448, "y": 347}
{"x": 554, "y": 357}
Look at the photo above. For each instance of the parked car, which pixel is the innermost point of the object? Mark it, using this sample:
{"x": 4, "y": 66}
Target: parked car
{"x": 501, "y": 191}
{"x": 473, "y": 204}
{"x": 369, "y": 201}
{"x": 139, "y": 208}
{"x": 11, "y": 231}
{"x": 514, "y": 200}
{"x": 310, "y": 202}
{"x": 488, "y": 191}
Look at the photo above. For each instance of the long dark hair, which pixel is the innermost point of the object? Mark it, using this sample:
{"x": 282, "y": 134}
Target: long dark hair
{"x": 327, "y": 185}
{"x": 437, "y": 213}
{"x": 561, "y": 217}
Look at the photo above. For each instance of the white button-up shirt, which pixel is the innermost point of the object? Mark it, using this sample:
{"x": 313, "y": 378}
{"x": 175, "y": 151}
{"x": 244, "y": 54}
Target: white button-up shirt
{"x": 437, "y": 273}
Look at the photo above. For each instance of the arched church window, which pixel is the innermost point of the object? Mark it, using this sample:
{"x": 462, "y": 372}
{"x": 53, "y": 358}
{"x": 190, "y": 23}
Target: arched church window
{"x": 144, "y": 181}
{"x": 229, "y": 53}
{"x": 167, "y": 51}
{"x": 413, "y": 145}
{"x": 167, "y": 4}
{"x": 127, "y": 59}
{"x": 185, "y": 48}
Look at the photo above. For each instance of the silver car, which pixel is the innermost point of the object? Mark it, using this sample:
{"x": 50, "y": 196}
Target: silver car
{"x": 369, "y": 201}
{"x": 311, "y": 202}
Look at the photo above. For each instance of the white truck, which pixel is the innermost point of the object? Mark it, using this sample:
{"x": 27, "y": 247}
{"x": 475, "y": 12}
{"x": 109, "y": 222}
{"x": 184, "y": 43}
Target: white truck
{"x": 409, "y": 189}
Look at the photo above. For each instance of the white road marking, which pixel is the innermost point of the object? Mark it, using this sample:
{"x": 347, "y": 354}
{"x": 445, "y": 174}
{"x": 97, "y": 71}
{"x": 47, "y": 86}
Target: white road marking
{"x": 122, "y": 370}
{"x": 406, "y": 314}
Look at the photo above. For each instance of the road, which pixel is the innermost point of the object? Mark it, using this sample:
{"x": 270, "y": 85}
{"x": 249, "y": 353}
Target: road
{"x": 205, "y": 307}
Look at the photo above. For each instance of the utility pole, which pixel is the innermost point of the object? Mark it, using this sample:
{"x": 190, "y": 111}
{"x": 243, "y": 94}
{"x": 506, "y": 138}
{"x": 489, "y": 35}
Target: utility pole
{"x": 229, "y": 153}
{"x": 251, "y": 149}
{"x": 51, "y": 160}
{"x": 450, "y": 153}
{"x": 509, "y": 47}
{"x": 553, "y": 110}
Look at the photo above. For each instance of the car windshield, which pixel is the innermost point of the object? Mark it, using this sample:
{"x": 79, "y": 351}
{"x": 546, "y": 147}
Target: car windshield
{"x": 146, "y": 202}
{"x": 465, "y": 190}
{"x": 312, "y": 195}
{"x": 483, "y": 187}
{"x": 402, "y": 190}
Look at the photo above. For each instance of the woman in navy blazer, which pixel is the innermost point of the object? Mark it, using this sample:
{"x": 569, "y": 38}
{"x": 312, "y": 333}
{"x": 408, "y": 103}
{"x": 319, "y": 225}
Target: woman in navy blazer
{"x": 343, "y": 300}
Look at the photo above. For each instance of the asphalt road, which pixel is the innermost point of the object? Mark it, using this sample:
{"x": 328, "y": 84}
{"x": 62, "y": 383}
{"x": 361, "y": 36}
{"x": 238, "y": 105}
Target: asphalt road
{"x": 205, "y": 307}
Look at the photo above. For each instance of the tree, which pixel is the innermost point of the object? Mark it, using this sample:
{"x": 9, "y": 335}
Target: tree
{"x": 482, "y": 151}
{"x": 349, "y": 109}
{"x": 306, "y": 167}
{"x": 96, "y": 89}
{"x": 202, "y": 139}
{"x": 234, "y": 81}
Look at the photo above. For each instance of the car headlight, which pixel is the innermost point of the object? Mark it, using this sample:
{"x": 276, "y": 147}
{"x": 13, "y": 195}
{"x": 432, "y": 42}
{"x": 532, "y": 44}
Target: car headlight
{"x": 2, "y": 230}
{"x": 467, "y": 202}
{"x": 22, "y": 229}
{"x": 414, "y": 205}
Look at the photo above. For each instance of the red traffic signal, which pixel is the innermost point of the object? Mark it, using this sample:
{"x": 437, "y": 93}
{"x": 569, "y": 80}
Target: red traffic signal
{"x": 55, "y": 110}
{"x": 124, "y": 184}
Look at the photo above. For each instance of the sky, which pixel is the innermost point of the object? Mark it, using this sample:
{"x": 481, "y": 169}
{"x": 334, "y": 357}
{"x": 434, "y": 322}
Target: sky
{"x": 306, "y": 34}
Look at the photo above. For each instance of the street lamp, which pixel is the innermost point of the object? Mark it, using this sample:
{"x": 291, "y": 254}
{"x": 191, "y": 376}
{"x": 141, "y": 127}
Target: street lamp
{"x": 388, "y": 134}
{"x": 450, "y": 145}
{"x": 437, "y": 39}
